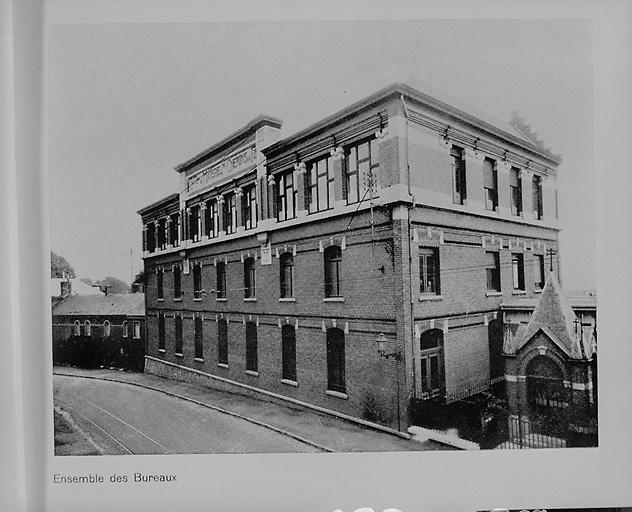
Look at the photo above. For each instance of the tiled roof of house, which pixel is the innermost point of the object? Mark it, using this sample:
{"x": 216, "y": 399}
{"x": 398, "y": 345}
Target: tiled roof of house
{"x": 77, "y": 286}
{"x": 132, "y": 304}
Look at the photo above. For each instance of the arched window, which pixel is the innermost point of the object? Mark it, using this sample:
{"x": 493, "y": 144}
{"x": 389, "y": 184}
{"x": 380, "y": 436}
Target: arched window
{"x": 431, "y": 363}
{"x": 249, "y": 278}
{"x": 252, "y": 363}
{"x": 125, "y": 329}
{"x": 288, "y": 353}
{"x": 333, "y": 261}
{"x": 86, "y": 328}
{"x": 222, "y": 342}
{"x": 106, "y": 329}
{"x": 286, "y": 267}
{"x": 220, "y": 272}
{"x": 77, "y": 328}
{"x": 336, "y": 360}
{"x": 545, "y": 385}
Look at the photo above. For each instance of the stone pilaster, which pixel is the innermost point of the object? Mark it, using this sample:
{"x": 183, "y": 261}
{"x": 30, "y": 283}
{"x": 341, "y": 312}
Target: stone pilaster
{"x": 157, "y": 235}
{"x": 339, "y": 178}
{"x": 145, "y": 248}
{"x": 299, "y": 183}
{"x": 220, "y": 215}
{"x": 239, "y": 209}
{"x": 202, "y": 234}
{"x": 503, "y": 170}
{"x": 526, "y": 179}
{"x": 272, "y": 199}
{"x": 168, "y": 230}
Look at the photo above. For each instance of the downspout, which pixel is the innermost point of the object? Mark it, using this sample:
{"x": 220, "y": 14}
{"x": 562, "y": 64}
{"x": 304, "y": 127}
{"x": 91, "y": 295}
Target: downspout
{"x": 410, "y": 260}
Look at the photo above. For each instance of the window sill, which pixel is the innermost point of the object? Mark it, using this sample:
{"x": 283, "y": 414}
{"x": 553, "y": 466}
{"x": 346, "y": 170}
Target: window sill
{"x": 537, "y": 290}
{"x": 161, "y": 300}
{"x": 334, "y": 299}
{"x": 250, "y": 299}
{"x": 177, "y": 300}
{"x": 199, "y": 299}
{"x": 252, "y": 372}
{"x": 289, "y": 382}
{"x": 337, "y": 394}
{"x": 493, "y": 294}
{"x": 199, "y": 359}
{"x": 178, "y": 354}
{"x": 221, "y": 299}
{"x": 288, "y": 299}
{"x": 162, "y": 351}
{"x": 430, "y": 298}
{"x": 222, "y": 365}
{"x": 519, "y": 292}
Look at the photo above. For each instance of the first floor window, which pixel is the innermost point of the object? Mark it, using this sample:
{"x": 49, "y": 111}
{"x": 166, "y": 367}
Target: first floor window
{"x": 288, "y": 353}
{"x": 178, "y": 322}
{"x": 251, "y": 347}
{"x": 161, "y": 331}
{"x": 106, "y": 329}
{"x": 537, "y": 197}
{"x": 431, "y": 363}
{"x": 320, "y": 185}
{"x": 125, "y": 329}
{"x": 250, "y": 207}
{"x": 336, "y": 360}
{"x": 285, "y": 197}
{"x": 333, "y": 262}
{"x": 230, "y": 213}
{"x": 517, "y": 266}
{"x": 220, "y": 272}
{"x": 137, "y": 330}
{"x": 77, "y": 328}
{"x": 286, "y": 266}
{"x": 429, "y": 271}
{"x": 515, "y": 186}
{"x": 177, "y": 282}
{"x": 249, "y": 278}
{"x": 360, "y": 171}
{"x": 159, "y": 280}
{"x": 222, "y": 342}
{"x": 539, "y": 271}
{"x": 198, "y": 335}
{"x": 458, "y": 175}
{"x": 87, "y": 329}
{"x": 490, "y": 184}
{"x": 492, "y": 268}
{"x": 211, "y": 223}
{"x": 197, "y": 280}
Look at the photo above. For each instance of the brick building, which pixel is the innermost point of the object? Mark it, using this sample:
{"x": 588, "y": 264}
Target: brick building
{"x": 357, "y": 266}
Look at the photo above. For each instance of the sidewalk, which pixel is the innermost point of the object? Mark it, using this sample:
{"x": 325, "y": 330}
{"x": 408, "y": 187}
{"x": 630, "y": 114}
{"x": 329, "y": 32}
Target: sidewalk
{"x": 334, "y": 434}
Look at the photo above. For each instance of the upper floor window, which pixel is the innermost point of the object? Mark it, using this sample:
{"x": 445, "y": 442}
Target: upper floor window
{"x": 458, "y": 175}
{"x": 361, "y": 165}
{"x": 336, "y": 360}
{"x": 125, "y": 333}
{"x": 288, "y": 352}
{"x": 161, "y": 331}
{"x": 250, "y": 207}
{"x": 137, "y": 330}
{"x": 195, "y": 223}
{"x": 285, "y": 196}
{"x": 333, "y": 262}
{"x": 230, "y": 213}
{"x": 177, "y": 282}
{"x": 539, "y": 271}
{"x": 251, "y": 347}
{"x": 198, "y": 337}
{"x": 286, "y": 267}
{"x": 151, "y": 237}
{"x": 492, "y": 269}
{"x": 515, "y": 189}
{"x": 320, "y": 185}
{"x": 537, "y": 197}
{"x": 222, "y": 342}
{"x": 249, "y": 278}
{"x": 77, "y": 328}
{"x": 220, "y": 273}
{"x": 106, "y": 329}
{"x": 162, "y": 234}
{"x": 159, "y": 283}
{"x": 517, "y": 267}
{"x": 87, "y": 329}
{"x": 174, "y": 229}
{"x": 178, "y": 329}
{"x": 490, "y": 184}
{"x": 197, "y": 280}
{"x": 211, "y": 220}
{"x": 429, "y": 271}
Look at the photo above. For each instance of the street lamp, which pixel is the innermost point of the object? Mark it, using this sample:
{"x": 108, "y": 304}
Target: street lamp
{"x": 381, "y": 348}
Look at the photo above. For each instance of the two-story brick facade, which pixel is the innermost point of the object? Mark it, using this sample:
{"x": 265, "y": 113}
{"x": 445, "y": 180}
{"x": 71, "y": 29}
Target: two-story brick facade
{"x": 357, "y": 266}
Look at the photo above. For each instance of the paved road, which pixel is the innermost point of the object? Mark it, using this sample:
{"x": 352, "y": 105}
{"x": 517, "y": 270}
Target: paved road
{"x": 124, "y": 419}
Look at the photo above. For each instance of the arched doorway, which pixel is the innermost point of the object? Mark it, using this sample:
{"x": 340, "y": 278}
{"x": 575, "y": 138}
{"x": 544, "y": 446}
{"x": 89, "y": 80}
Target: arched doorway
{"x": 546, "y": 393}
{"x": 431, "y": 363}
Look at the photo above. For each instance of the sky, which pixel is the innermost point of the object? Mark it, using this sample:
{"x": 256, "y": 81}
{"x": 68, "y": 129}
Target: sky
{"x": 128, "y": 102}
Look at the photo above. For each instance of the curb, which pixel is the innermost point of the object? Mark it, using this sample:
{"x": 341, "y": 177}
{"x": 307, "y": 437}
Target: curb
{"x": 208, "y": 406}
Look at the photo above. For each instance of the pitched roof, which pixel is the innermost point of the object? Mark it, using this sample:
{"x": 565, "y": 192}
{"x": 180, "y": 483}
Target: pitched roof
{"x": 132, "y": 304}
{"x": 554, "y": 316}
{"x": 77, "y": 287}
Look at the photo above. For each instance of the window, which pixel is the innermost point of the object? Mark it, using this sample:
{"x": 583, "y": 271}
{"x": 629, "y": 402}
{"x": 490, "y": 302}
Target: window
{"x": 197, "y": 280}
{"x": 539, "y": 271}
{"x": 178, "y": 322}
{"x": 429, "y": 271}
{"x": 320, "y": 185}
{"x": 198, "y": 336}
{"x": 230, "y": 214}
{"x": 86, "y": 328}
{"x": 159, "y": 281}
{"x": 161, "y": 331}
{"x": 250, "y": 207}
{"x": 177, "y": 282}
{"x": 106, "y": 329}
{"x": 137, "y": 330}
{"x": 249, "y": 278}
{"x": 77, "y": 328}
{"x": 285, "y": 197}
{"x": 222, "y": 342}
{"x": 495, "y": 341}
{"x": 124, "y": 329}
{"x": 288, "y": 353}
{"x": 195, "y": 223}
{"x": 431, "y": 363}
{"x": 162, "y": 234}
{"x": 286, "y": 266}
{"x": 490, "y": 184}
{"x": 212, "y": 219}
{"x": 336, "y": 360}
{"x": 515, "y": 189}
{"x": 220, "y": 273}
{"x": 151, "y": 237}
{"x": 458, "y": 175}
{"x": 361, "y": 165}
{"x": 333, "y": 260}
{"x": 537, "y": 197}
{"x": 174, "y": 229}
{"x": 492, "y": 267}
{"x": 251, "y": 347}
{"x": 517, "y": 267}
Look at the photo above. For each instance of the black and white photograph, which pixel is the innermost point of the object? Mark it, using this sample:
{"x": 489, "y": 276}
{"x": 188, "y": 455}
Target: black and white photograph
{"x": 343, "y": 259}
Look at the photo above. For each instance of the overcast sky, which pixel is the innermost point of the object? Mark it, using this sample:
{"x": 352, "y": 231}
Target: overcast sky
{"x": 128, "y": 102}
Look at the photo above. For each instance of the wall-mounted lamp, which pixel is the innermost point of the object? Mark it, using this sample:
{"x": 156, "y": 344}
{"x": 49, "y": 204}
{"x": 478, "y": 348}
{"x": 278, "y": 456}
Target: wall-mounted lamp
{"x": 381, "y": 348}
